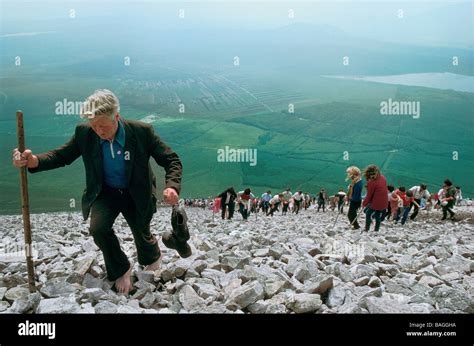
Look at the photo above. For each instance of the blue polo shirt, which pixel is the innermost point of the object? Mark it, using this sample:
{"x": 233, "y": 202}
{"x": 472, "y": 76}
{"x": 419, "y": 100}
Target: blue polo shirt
{"x": 113, "y": 160}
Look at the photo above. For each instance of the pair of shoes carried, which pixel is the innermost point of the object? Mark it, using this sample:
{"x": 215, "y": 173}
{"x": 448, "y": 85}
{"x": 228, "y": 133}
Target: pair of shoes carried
{"x": 177, "y": 239}
{"x": 171, "y": 242}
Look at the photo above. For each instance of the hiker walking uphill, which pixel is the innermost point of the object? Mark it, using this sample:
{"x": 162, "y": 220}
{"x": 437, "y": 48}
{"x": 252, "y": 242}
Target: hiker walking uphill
{"x": 265, "y": 201}
{"x": 448, "y": 200}
{"x": 286, "y": 200}
{"x": 419, "y": 192}
{"x": 228, "y": 202}
{"x": 395, "y": 202}
{"x": 322, "y": 196}
{"x": 408, "y": 200}
{"x": 333, "y": 202}
{"x": 386, "y": 214}
{"x": 340, "y": 195}
{"x": 275, "y": 203}
{"x": 458, "y": 196}
{"x": 354, "y": 194}
{"x": 244, "y": 198}
{"x": 377, "y": 198}
{"x": 119, "y": 179}
{"x": 439, "y": 196}
{"x": 298, "y": 199}
{"x": 307, "y": 200}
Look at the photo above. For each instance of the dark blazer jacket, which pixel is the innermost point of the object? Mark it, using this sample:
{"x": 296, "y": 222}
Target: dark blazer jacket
{"x": 223, "y": 197}
{"x": 141, "y": 142}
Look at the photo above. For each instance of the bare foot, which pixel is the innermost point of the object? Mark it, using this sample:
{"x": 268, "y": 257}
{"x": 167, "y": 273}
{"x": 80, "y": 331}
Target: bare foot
{"x": 154, "y": 266}
{"x": 124, "y": 283}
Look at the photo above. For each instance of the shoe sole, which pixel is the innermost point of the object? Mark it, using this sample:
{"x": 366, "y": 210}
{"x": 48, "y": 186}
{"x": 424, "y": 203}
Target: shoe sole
{"x": 171, "y": 245}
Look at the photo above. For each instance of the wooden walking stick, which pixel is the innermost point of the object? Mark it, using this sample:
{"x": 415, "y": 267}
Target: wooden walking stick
{"x": 25, "y": 206}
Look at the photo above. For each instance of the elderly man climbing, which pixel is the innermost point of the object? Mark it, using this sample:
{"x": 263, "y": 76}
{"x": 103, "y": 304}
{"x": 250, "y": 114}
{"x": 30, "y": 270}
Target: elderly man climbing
{"x": 119, "y": 179}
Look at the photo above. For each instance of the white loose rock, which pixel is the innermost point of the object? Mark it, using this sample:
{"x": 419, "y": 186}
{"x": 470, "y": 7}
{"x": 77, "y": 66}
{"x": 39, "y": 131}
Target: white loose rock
{"x": 61, "y": 305}
{"x": 105, "y": 307}
{"x": 305, "y": 302}
{"x": 245, "y": 295}
{"x": 190, "y": 300}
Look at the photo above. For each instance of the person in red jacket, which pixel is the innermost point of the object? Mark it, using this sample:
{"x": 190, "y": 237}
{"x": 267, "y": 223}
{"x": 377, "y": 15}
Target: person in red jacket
{"x": 376, "y": 199}
{"x": 408, "y": 199}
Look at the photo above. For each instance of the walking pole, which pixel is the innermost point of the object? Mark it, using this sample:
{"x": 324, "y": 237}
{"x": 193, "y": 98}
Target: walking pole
{"x": 256, "y": 213}
{"x": 357, "y": 216}
{"x": 212, "y": 209}
{"x": 25, "y": 207}
{"x": 335, "y": 221}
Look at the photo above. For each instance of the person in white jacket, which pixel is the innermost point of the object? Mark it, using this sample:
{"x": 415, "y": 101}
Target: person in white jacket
{"x": 440, "y": 194}
{"x": 297, "y": 199}
{"x": 458, "y": 196}
{"x": 419, "y": 192}
{"x": 274, "y": 203}
{"x": 286, "y": 200}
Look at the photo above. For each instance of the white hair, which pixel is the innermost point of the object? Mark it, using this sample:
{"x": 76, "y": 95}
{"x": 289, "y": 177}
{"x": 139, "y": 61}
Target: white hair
{"x": 102, "y": 102}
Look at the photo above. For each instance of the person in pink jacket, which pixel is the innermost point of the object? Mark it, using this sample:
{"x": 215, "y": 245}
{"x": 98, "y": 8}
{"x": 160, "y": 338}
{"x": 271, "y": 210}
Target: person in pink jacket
{"x": 376, "y": 199}
{"x": 395, "y": 203}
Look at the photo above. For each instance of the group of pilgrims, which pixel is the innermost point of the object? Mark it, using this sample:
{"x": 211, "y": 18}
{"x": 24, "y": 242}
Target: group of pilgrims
{"x": 381, "y": 201}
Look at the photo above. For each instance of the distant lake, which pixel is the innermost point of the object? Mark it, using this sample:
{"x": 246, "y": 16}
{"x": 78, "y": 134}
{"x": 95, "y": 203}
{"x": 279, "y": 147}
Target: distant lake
{"x": 444, "y": 80}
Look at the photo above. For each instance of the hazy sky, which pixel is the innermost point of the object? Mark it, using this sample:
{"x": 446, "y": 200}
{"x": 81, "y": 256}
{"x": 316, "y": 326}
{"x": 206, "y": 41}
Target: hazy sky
{"x": 439, "y": 23}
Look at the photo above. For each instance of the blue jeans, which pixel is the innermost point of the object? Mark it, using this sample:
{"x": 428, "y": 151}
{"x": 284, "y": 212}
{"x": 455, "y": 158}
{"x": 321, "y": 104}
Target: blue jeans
{"x": 405, "y": 212}
{"x": 368, "y": 218}
{"x": 244, "y": 211}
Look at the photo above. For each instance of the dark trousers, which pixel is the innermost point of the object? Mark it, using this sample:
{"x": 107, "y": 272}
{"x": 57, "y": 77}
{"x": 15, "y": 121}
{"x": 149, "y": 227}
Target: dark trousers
{"x": 105, "y": 209}
{"x": 265, "y": 205}
{"x": 297, "y": 206}
{"x": 448, "y": 208}
{"x": 243, "y": 211}
{"x": 321, "y": 203}
{"x": 340, "y": 206}
{"x": 415, "y": 209}
{"x": 404, "y": 213}
{"x": 231, "y": 210}
{"x": 368, "y": 219}
{"x": 273, "y": 209}
{"x": 386, "y": 213}
{"x": 285, "y": 207}
{"x": 352, "y": 213}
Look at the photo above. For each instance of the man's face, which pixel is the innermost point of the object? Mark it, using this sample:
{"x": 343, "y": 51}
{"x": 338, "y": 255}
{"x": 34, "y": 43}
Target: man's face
{"x": 104, "y": 126}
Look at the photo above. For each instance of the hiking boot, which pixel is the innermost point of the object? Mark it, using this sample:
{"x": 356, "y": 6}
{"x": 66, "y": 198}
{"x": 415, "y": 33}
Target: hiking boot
{"x": 171, "y": 242}
{"x": 443, "y": 218}
{"x": 179, "y": 223}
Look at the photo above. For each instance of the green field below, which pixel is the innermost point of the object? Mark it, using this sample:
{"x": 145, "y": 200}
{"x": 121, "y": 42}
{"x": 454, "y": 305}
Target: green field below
{"x": 304, "y": 149}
